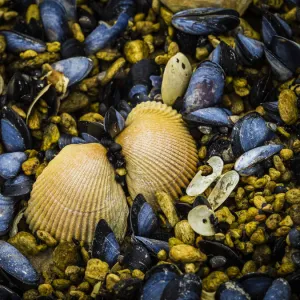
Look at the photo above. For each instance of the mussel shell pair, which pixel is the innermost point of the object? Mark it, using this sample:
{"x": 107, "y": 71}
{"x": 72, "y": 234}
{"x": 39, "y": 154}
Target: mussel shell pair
{"x": 78, "y": 187}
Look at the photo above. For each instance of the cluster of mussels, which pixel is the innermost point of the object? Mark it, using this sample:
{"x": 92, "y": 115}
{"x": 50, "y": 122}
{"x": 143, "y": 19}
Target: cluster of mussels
{"x": 149, "y": 149}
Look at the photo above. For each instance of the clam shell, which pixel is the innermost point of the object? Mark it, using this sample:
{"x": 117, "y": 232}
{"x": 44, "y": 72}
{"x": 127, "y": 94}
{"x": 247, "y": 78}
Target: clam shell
{"x": 160, "y": 153}
{"x": 74, "y": 192}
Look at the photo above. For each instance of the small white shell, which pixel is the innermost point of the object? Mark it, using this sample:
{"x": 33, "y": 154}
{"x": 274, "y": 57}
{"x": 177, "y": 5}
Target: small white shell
{"x": 176, "y": 78}
{"x": 223, "y": 188}
{"x": 199, "y": 219}
{"x": 200, "y": 183}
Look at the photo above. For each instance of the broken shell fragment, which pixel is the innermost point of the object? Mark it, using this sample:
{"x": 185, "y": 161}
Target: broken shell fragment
{"x": 74, "y": 192}
{"x": 200, "y": 220}
{"x": 200, "y": 183}
{"x": 160, "y": 153}
{"x": 223, "y": 188}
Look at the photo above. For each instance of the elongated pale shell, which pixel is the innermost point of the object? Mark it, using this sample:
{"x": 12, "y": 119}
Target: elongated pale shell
{"x": 74, "y": 192}
{"x": 160, "y": 153}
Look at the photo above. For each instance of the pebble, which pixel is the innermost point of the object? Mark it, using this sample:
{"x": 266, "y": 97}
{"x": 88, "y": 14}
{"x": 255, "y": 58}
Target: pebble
{"x": 10, "y": 164}
{"x": 74, "y": 102}
{"x": 176, "y": 78}
{"x": 186, "y": 254}
{"x": 96, "y": 270}
{"x": 287, "y": 105}
{"x": 217, "y": 261}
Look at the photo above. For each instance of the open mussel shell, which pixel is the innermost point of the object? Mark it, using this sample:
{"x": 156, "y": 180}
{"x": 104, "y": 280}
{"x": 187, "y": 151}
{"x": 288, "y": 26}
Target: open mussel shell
{"x": 211, "y": 248}
{"x": 249, "y": 132}
{"x": 104, "y": 34}
{"x": 160, "y": 153}
{"x": 142, "y": 217}
{"x": 156, "y": 280}
{"x": 105, "y": 245}
{"x": 18, "y": 88}
{"x": 185, "y": 287}
{"x": 53, "y": 15}
{"x": 18, "y": 186}
{"x": 16, "y": 264}
{"x": 78, "y": 187}
{"x": 19, "y": 42}
{"x": 205, "y": 88}
{"x": 91, "y": 129}
{"x": 7, "y": 207}
{"x": 255, "y": 156}
{"x": 205, "y": 21}
{"x": 74, "y": 68}
{"x": 256, "y": 284}
{"x": 15, "y": 134}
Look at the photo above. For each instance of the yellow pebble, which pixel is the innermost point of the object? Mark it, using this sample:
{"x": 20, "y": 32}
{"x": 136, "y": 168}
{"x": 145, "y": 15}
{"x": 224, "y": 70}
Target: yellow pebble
{"x": 53, "y": 47}
{"x": 28, "y": 54}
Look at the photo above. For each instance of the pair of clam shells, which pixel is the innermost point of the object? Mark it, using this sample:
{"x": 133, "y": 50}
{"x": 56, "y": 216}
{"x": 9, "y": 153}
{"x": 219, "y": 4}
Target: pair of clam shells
{"x": 78, "y": 187}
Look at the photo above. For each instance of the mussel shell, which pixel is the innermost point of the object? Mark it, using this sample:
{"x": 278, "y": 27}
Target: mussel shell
{"x": 280, "y": 288}
{"x": 154, "y": 246}
{"x": 16, "y": 264}
{"x": 256, "y": 284}
{"x": 72, "y": 48}
{"x": 18, "y": 88}
{"x": 114, "y": 122}
{"x": 231, "y": 290}
{"x": 249, "y": 132}
{"x": 250, "y": 51}
{"x": 215, "y": 249}
{"x": 287, "y": 51}
{"x": 53, "y": 15}
{"x": 137, "y": 257}
{"x": 127, "y": 289}
{"x": 260, "y": 90}
{"x": 105, "y": 245}
{"x": 156, "y": 280}
{"x": 7, "y": 294}
{"x": 205, "y": 21}
{"x": 226, "y": 57}
{"x": 17, "y": 42}
{"x": 78, "y": 187}
{"x": 18, "y": 186}
{"x": 103, "y": 34}
{"x": 142, "y": 217}
{"x": 74, "y": 68}
{"x": 213, "y": 116}
{"x": 15, "y": 134}
{"x": 280, "y": 70}
{"x": 10, "y": 164}
{"x": 7, "y": 205}
{"x": 114, "y": 7}
{"x": 67, "y": 139}
{"x": 151, "y": 130}
{"x": 205, "y": 88}
{"x": 70, "y": 8}
{"x": 185, "y": 287}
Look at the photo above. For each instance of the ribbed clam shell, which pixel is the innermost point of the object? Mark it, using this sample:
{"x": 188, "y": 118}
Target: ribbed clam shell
{"x": 74, "y": 192}
{"x": 160, "y": 153}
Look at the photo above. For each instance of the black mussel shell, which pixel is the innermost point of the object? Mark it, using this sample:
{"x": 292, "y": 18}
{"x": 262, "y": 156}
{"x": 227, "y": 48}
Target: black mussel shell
{"x": 142, "y": 217}
{"x": 201, "y": 200}
{"x": 218, "y": 145}
{"x": 67, "y": 139}
{"x": 127, "y": 289}
{"x": 294, "y": 238}
{"x": 187, "y": 42}
{"x": 296, "y": 259}
{"x": 114, "y": 123}
{"x": 154, "y": 246}
{"x": 185, "y": 287}
{"x": 72, "y": 48}
{"x": 143, "y": 5}
{"x": 183, "y": 209}
{"x": 279, "y": 248}
{"x": 18, "y": 88}
{"x": 295, "y": 166}
{"x": 156, "y": 280}
{"x": 114, "y": 7}
{"x": 231, "y": 290}
{"x": 226, "y": 57}
{"x": 15, "y": 134}
{"x": 7, "y": 294}
{"x": 256, "y": 284}
{"x": 94, "y": 129}
{"x": 218, "y": 249}
{"x": 294, "y": 281}
{"x": 18, "y": 186}
{"x": 86, "y": 20}
{"x": 137, "y": 257}
{"x": 260, "y": 90}
{"x": 105, "y": 245}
